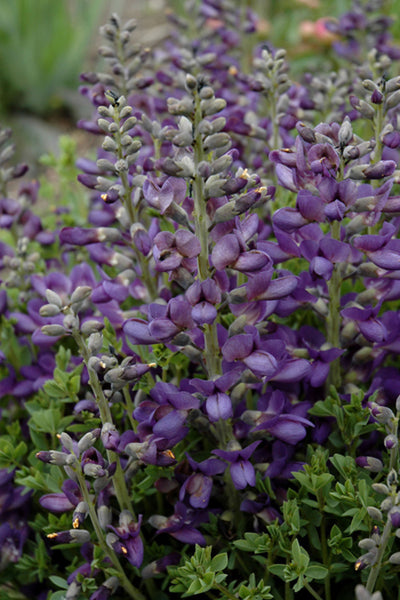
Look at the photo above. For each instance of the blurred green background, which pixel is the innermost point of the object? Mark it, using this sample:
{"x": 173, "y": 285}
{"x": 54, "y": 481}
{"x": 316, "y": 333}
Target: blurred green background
{"x": 46, "y": 44}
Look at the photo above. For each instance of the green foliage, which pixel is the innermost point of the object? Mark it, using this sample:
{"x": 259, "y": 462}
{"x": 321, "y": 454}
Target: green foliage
{"x": 200, "y": 573}
{"x": 42, "y": 48}
{"x": 62, "y": 189}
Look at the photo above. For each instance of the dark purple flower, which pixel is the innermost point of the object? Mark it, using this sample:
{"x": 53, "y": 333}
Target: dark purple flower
{"x": 199, "y": 485}
{"x": 181, "y": 525}
{"x": 241, "y": 469}
{"x": 127, "y": 540}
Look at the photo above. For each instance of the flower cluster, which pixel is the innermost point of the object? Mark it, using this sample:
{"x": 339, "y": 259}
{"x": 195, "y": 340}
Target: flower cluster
{"x": 175, "y": 363}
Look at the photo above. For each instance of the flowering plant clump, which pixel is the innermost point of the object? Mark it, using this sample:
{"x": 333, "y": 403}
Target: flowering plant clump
{"x": 200, "y": 385}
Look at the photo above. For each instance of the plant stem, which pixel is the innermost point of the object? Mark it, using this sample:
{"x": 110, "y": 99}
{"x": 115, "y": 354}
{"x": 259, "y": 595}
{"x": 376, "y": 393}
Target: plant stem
{"x": 224, "y": 590}
{"x": 374, "y": 572}
{"x": 129, "y": 406}
{"x": 333, "y": 319}
{"x": 313, "y": 593}
{"x": 324, "y": 546}
{"x": 118, "y": 479}
{"x": 126, "y": 199}
{"x": 212, "y": 353}
{"x": 126, "y": 584}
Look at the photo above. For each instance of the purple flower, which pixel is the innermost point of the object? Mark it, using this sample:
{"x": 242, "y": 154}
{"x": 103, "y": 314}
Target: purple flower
{"x": 173, "y": 190}
{"x": 127, "y": 539}
{"x": 199, "y": 485}
{"x": 241, "y": 469}
{"x": 279, "y": 418}
{"x": 171, "y": 251}
{"x": 181, "y": 525}
{"x": 372, "y": 328}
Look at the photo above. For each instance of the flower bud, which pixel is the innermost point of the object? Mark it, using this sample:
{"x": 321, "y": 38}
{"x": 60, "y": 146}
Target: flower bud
{"x": 95, "y": 342}
{"x": 367, "y": 544}
{"x": 216, "y": 140}
{"x": 80, "y": 536}
{"x": 394, "y": 515}
{"x": 380, "y": 488}
{"x": 53, "y": 457}
{"x": 128, "y": 124}
{"x": 103, "y": 124}
{"x": 392, "y": 478}
{"x": 53, "y": 330}
{"x": 49, "y": 310}
{"x": 93, "y": 470}
{"x": 66, "y": 441}
{"x": 211, "y": 107}
{"x": 394, "y": 559}
{"x": 73, "y": 592}
{"x": 79, "y": 514}
{"x": 104, "y": 164}
{"x": 191, "y": 82}
{"x": 382, "y": 414}
{"x": 386, "y": 504}
{"x": 53, "y": 298}
{"x": 91, "y": 326}
{"x": 391, "y": 441}
{"x": 374, "y": 513}
{"x": 88, "y": 440}
{"x": 104, "y": 515}
{"x": 345, "y": 132}
{"x": 393, "y": 100}
{"x": 180, "y": 107}
{"x": 71, "y": 322}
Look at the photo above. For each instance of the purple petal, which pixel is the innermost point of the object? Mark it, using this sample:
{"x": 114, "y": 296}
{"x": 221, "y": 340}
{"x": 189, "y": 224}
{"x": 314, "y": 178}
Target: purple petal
{"x": 237, "y": 347}
{"x": 225, "y": 252}
{"x": 188, "y": 535}
{"x": 219, "y": 406}
{"x": 137, "y": 332}
{"x": 56, "y": 503}
{"x": 204, "y": 312}
{"x": 170, "y": 425}
{"x": 263, "y": 364}
{"x": 243, "y": 474}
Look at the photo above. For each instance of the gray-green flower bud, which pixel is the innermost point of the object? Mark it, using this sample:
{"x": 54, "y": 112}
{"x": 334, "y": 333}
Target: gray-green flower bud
{"x": 88, "y": 440}
{"x": 95, "y": 342}
{"x": 128, "y": 124}
{"x": 380, "y": 488}
{"x": 394, "y": 559}
{"x": 216, "y": 140}
{"x": 53, "y": 298}
{"x": 49, "y": 310}
{"x": 393, "y": 100}
{"x": 105, "y": 516}
{"x": 81, "y": 293}
{"x": 53, "y": 330}
{"x": 66, "y": 441}
{"x": 71, "y": 322}
{"x": 374, "y": 513}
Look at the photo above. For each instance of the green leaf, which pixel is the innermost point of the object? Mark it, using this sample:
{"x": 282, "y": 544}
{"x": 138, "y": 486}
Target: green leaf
{"x": 219, "y": 562}
{"x": 60, "y": 595}
{"x": 316, "y": 571}
{"x": 304, "y": 480}
{"x": 59, "y": 582}
{"x": 357, "y": 521}
{"x": 278, "y": 570}
{"x": 322, "y": 480}
{"x": 299, "y": 584}
{"x": 54, "y": 390}
{"x": 296, "y": 552}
